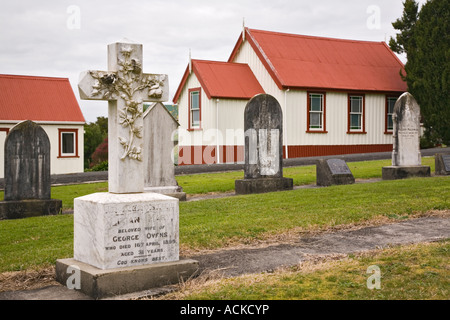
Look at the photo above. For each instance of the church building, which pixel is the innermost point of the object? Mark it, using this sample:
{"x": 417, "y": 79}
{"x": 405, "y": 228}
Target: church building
{"x": 51, "y": 103}
{"x": 337, "y": 96}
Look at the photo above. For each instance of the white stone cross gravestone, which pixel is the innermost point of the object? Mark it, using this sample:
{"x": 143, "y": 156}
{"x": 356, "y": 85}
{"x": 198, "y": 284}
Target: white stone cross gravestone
{"x": 125, "y": 240}
{"x": 125, "y": 88}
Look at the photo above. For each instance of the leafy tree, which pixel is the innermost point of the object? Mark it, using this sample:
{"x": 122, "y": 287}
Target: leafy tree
{"x": 425, "y": 38}
{"x": 94, "y": 134}
{"x": 100, "y": 154}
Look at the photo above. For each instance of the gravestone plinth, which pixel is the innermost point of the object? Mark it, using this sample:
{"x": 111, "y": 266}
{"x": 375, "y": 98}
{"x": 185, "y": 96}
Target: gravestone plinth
{"x": 442, "y": 164}
{"x": 406, "y": 156}
{"x": 126, "y": 234}
{"x": 27, "y": 174}
{"x": 333, "y": 172}
{"x": 160, "y": 127}
{"x": 263, "y": 152}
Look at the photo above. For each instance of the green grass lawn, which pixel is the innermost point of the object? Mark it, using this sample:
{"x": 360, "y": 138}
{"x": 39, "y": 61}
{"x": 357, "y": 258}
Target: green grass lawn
{"x": 224, "y": 181}
{"x": 216, "y": 223}
{"x": 35, "y": 243}
{"x": 414, "y": 272}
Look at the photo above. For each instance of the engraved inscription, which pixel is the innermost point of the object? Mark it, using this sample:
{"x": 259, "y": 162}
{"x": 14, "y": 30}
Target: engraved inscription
{"x": 142, "y": 234}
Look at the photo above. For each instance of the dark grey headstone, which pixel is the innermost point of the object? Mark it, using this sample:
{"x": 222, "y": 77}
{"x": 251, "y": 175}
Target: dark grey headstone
{"x": 263, "y": 126}
{"x": 442, "y": 164}
{"x": 263, "y": 151}
{"x": 333, "y": 172}
{"x": 27, "y": 163}
{"x": 27, "y": 173}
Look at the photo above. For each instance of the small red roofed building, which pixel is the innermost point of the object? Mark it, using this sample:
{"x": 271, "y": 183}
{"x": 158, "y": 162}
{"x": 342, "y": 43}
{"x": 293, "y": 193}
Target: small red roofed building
{"x": 337, "y": 96}
{"x": 51, "y": 103}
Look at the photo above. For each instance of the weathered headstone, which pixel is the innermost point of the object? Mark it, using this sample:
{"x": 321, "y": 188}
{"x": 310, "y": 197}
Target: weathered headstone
{"x": 125, "y": 240}
{"x": 263, "y": 151}
{"x": 333, "y": 172}
{"x": 27, "y": 173}
{"x": 442, "y": 164}
{"x": 406, "y": 156}
{"x": 159, "y": 129}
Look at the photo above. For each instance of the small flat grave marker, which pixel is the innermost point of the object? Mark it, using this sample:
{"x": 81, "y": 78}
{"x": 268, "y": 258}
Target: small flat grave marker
{"x": 333, "y": 172}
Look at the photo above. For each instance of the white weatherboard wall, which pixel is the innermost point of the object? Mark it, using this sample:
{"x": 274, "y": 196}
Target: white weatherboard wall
{"x": 294, "y": 105}
{"x": 57, "y": 165}
{"x": 230, "y": 124}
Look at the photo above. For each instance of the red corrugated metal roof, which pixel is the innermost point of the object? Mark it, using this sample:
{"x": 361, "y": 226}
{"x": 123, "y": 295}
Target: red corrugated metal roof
{"x": 38, "y": 99}
{"x": 223, "y": 80}
{"x": 296, "y": 61}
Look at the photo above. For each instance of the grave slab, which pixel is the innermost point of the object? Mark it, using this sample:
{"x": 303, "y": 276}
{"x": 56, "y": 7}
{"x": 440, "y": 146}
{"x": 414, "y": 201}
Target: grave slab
{"x": 442, "y": 164}
{"x": 333, "y": 172}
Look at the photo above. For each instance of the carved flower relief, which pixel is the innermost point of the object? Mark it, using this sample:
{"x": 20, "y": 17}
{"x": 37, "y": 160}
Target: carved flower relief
{"x": 124, "y": 84}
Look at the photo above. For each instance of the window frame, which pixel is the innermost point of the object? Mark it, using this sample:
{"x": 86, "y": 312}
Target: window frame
{"x": 386, "y": 114}
{"x": 323, "y": 112}
{"x": 191, "y": 127}
{"x": 61, "y": 154}
{"x": 362, "y": 114}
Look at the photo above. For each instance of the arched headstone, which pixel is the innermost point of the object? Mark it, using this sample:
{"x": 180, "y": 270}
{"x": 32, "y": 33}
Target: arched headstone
{"x": 27, "y": 173}
{"x": 263, "y": 168}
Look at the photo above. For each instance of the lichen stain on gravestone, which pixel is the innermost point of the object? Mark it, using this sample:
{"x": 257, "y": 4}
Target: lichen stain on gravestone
{"x": 27, "y": 163}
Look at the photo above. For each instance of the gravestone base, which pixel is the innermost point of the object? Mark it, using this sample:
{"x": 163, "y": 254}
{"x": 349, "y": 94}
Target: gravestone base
{"x": 262, "y": 185}
{"x": 18, "y": 209}
{"x": 403, "y": 172}
{"x": 333, "y": 172}
{"x": 121, "y": 230}
{"x": 98, "y": 283}
{"x": 175, "y": 191}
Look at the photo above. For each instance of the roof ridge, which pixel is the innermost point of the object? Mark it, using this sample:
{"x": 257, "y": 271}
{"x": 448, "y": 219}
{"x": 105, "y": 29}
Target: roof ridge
{"x": 28, "y": 77}
{"x": 219, "y": 62}
{"x": 314, "y": 37}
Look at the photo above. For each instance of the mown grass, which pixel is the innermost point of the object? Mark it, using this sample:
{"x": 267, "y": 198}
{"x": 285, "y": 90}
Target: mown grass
{"x": 216, "y": 223}
{"x": 414, "y": 272}
{"x": 224, "y": 181}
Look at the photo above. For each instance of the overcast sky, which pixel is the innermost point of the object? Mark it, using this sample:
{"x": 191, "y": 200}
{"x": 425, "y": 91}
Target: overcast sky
{"x": 65, "y": 37}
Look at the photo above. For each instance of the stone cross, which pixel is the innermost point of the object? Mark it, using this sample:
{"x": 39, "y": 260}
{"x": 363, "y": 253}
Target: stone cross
{"x": 125, "y": 88}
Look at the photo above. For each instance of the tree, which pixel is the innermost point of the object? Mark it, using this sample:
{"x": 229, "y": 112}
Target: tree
{"x": 94, "y": 134}
{"x": 100, "y": 154}
{"x": 425, "y": 37}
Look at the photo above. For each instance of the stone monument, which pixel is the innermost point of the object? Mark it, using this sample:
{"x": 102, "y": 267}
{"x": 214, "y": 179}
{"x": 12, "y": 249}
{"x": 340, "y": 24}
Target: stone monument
{"x": 333, "y": 172}
{"x": 442, "y": 164}
{"x": 159, "y": 128}
{"x": 263, "y": 152}
{"x": 406, "y": 156}
{"x": 125, "y": 240}
{"x": 27, "y": 174}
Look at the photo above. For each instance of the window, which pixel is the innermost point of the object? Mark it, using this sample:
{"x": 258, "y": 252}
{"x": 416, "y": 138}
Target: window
{"x": 316, "y": 112}
{"x": 389, "y": 124}
{"x": 195, "y": 116}
{"x": 68, "y": 143}
{"x": 356, "y": 117}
